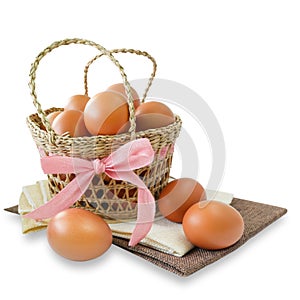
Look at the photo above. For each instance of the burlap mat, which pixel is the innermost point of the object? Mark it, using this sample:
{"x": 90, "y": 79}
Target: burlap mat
{"x": 257, "y": 216}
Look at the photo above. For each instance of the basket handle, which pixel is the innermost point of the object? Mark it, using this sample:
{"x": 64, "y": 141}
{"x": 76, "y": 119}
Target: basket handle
{"x": 123, "y": 50}
{"x": 32, "y": 85}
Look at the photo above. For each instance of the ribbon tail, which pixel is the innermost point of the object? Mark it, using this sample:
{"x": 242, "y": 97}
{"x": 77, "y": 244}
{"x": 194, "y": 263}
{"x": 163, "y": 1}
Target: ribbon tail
{"x": 64, "y": 199}
{"x": 145, "y": 216}
{"x": 145, "y": 208}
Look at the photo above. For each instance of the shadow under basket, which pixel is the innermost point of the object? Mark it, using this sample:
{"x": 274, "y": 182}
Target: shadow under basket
{"x": 113, "y": 200}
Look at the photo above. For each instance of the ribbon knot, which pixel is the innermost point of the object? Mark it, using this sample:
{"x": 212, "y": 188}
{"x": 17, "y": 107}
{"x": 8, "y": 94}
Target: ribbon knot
{"x": 119, "y": 165}
{"x": 99, "y": 166}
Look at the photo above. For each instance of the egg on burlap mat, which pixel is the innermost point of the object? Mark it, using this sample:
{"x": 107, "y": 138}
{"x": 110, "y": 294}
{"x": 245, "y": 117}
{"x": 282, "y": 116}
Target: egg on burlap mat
{"x": 257, "y": 216}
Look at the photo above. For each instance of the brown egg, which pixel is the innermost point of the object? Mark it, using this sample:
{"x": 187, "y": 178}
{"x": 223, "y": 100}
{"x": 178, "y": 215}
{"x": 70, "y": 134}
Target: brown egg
{"x": 106, "y": 113}
{"x": 153, "y": 114}
{"x": 77, "y": 102}
{"x": 51, "y": 117}
{"x": 78, "y": 234}
{"x": 178, "y": 196}
{"x": 120, "y": 88}
{"x": 213, "y": 225}
{"x": 71, "y": 121}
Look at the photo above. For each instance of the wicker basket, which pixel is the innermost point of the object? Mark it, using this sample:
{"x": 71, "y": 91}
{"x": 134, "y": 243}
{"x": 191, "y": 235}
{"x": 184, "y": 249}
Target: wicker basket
{"x": 111, "y": 199}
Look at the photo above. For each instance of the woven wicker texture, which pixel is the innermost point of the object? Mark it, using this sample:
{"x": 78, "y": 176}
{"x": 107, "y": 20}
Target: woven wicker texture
{"x": 109, "y": 198}
{"x": 257, "y": 216}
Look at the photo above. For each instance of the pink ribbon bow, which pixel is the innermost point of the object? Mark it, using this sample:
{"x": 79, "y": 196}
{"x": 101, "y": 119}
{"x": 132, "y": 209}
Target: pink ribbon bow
{"x": 119, "y": 165}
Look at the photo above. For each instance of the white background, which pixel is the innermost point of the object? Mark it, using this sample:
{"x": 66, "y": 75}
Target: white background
{"x": 242, "y": 57}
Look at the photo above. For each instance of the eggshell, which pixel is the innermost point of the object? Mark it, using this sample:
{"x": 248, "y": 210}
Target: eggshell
{"x": 51, "y": 117}
{"x": 77, "y": 102}
{"x": 71, "y": 121}
{"x": 79, "y": 234}
{"x": 106, "y": 113}
{"x": 213, "y": 225}
{"x": 178, "y": 196}
{"x": 153, "y": 115}
{"x": 120, "y": 88}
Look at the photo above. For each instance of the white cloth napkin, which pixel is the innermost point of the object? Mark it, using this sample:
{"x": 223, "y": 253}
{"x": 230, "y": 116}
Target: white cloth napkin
{"x": 165, "y": 236}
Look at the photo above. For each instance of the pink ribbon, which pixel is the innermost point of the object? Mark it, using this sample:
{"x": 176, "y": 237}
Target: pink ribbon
{"x": 119, "y": 165}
